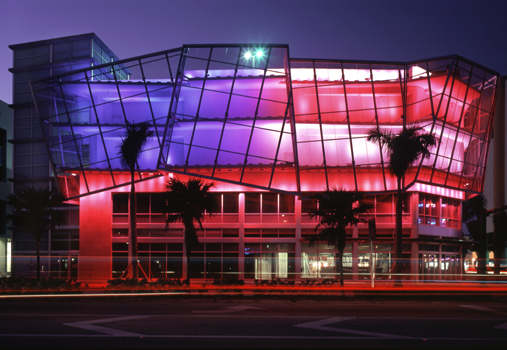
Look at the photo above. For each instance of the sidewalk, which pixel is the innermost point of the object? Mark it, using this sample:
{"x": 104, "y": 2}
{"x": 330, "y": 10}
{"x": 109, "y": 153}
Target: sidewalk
{"x": 355, "y": 287}
{"x": 352, "y": 290}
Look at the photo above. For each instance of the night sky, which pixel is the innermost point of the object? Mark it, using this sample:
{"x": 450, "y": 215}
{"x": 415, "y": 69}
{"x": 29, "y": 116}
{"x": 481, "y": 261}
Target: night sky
{"x": 360, "y": 29}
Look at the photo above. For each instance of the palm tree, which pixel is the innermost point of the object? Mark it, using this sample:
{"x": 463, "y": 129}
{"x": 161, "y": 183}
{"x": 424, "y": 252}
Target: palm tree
{"x": 338, "y": 209}
{"x": 474, "y": 216}
{"x": 132, "y": 142}
{"x": 188, "y": 202}
{"x": 36, "y": 211}
{"x": 403, "y": 150}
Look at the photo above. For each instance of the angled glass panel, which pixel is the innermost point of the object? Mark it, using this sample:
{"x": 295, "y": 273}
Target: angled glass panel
{"x": 226, "y": 158}
{"x": 312, "y": 131}
{"x": 213, "y": 105}
{"x": 242, "y": 107}
{"x": 418, "y": 96}
{"x": 156, "y": 68}
{"x": 286, "y": 151}
{"x": 310, "y": 154}
{"x": 198, "y": 52}
{"x": 264, "y": 143}
{"x": 253, "y": 60}
{"x": 368, "y": 181}
{"x": 207, "y": 133}
{"x": 236, "y": 137}
{"x": 131, "y": 90}
{"x": 249, "y": 86}
{"x": 439, "y": 71}
{"x": 257, "y": 172}
{"x": 194, "y": 71}
{"x": 313, "y": 180}
{"x": 148, "y": 156}
{"x": 200, "y": 156}
{"x": 137, "y": 109}
{"x": 274, "y": 89}
{"x": 271, "y": 109}
{"x": 188, "y": 101}
{"x": 305, "y": 101}
{"x": 220, "y": 70}
{"x": 284, "y": 177}
{"x": 365, "y": 153}
{"x": 335, "y": 131}
{"x": 277, "y": 59}
{"x": 177, "y": 151}
{"x": 228, "y": 171}
{"x": 338, "y": 153}
{"x": 219, "y": 83}
{"x": 107, "y": 103}
{"x": 331, "y": 97}
{"x": 225, "y": 54}
{"x": 93, "y": 150}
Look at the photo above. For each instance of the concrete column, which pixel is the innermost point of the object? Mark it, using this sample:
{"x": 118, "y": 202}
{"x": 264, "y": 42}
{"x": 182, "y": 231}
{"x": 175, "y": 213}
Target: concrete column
{"x": 499, "y": 159}
{"x": 499, "y": 148}
{"x": 298, "y": 240}
{"x": 241, "y": 257}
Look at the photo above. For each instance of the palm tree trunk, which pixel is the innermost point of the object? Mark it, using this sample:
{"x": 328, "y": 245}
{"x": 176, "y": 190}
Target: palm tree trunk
{"x": 398, "y": 235}
{"x": 133, "y": 226}
{"x": 37, "y": 250}
{"x": 340, "y": 256}
{"x": 188, "y": 264}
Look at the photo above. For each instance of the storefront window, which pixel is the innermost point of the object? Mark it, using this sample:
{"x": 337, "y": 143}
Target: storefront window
{"x": 269, "y": 261}
{"x": 321, "y": 261}
{"x": 428, "y": 209}
{"x": 450, "y": 213}
{"x": 382, "y": 259}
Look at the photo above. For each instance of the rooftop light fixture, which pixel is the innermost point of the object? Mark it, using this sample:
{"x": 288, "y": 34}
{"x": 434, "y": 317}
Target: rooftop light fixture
{"x": 259, "y": 53}
{"x": 248, "y": 55}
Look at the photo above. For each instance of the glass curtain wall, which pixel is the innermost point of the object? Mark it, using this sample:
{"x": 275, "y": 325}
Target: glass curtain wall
{"x": 84, "y": 117}
{"x": 249, "y": 115}
{"x": 230, "y": 118}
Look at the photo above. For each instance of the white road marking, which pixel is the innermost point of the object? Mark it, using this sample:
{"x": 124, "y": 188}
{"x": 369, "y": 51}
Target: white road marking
{"x": 320, "y": 325}
{"x": 227, "y": 310}
{"x": 90, "y": 325}
{"x": 481, "y": 308}
{"x": 242, "y": 337}
{"x": 501, "y": 326}
{"x": 485, "y": 309}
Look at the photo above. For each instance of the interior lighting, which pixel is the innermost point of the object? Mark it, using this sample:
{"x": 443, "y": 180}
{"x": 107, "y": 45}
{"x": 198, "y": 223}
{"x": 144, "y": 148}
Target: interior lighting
{"x": 259, "y": 53}
{"x": 248, "y": 55}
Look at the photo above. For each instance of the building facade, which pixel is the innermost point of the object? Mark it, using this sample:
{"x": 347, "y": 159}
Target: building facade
{"x": 269, "y": 130}
{"x": 5, "y": 187}
{"x": 31, "y": 163}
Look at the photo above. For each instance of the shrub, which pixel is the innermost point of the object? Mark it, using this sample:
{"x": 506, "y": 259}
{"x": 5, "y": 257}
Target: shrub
{"x": 28, "y": 285}
{"x": 229, "y": 281}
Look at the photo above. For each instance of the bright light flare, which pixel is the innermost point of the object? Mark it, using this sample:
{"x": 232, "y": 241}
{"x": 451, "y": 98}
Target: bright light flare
{"x": 248, "y": 55}
{"x": 259, "y": 54}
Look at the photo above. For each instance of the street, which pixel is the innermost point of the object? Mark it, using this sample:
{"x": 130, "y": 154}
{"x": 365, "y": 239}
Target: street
{"x": 145, "y": 323}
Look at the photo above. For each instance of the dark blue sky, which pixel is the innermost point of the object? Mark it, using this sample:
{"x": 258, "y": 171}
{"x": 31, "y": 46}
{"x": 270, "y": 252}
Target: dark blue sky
{"x": 361, "y": 29}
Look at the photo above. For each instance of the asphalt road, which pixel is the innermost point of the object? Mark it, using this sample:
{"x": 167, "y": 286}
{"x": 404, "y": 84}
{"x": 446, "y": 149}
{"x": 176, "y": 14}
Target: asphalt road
{"x": 141, "y": 323}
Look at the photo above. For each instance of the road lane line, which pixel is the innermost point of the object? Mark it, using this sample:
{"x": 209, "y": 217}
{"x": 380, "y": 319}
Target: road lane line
{"x": 90, "y": 325}
{"x": 192, "y": 336}
{"x": 485, "y": 309}
{"x": 227, "y": 310}
{"x": 501, "y": 326}
{"x": 320, "y": 325}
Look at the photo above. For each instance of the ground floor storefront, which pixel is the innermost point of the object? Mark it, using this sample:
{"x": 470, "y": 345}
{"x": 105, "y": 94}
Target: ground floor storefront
{"x": 297, "y": 260}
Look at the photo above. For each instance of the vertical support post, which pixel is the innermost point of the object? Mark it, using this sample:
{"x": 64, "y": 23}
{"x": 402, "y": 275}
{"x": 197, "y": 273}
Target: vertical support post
{"x": 499, "y": 165}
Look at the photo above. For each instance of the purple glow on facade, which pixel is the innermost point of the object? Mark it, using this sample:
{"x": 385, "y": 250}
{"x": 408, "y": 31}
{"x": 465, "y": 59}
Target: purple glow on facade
{"x": 267, "y": 121}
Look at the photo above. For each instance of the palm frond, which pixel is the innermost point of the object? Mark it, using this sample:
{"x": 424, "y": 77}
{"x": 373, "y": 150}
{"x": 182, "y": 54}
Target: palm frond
{"x": 337, "y": 210}
{"x": 132, "y": 142}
